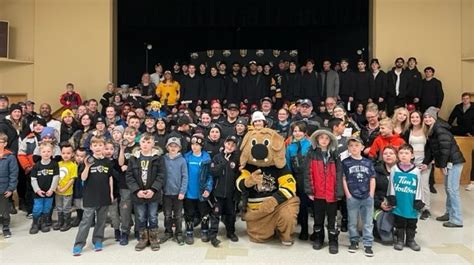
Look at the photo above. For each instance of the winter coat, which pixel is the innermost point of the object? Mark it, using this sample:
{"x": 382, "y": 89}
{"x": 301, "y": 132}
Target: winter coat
{"x": 465, "y": 120}
{"x": 323, "y": 180}
{"x": 14, "y": 136}
{"x": 381, "y": 183}
{"x": 392, "y": 81}
{"x": 441, "y": 146}
{"x": 155, "y": 179}
{"x": 8, "y": 172}
{"x": 378, "y": 86}
{"x": 225, "y": 173}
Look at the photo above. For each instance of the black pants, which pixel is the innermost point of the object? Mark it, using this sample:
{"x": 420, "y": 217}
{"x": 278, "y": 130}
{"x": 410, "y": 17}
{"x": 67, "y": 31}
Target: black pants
{"x": 305, "y": 202}
{"x": 225, "y": 207}
{"x": 323, "y": 209}
{"x": 342, "y": 206}
{"x": 407, "y": 224}
{"x": 191, "y": 207}
{"x": 173, "y": 208}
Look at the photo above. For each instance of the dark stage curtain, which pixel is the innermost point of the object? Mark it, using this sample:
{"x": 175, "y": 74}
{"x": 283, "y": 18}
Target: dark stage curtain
{"x": 318, "y": 29}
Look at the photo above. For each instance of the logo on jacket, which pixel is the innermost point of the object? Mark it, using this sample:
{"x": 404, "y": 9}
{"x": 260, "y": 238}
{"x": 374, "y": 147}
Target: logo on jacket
{"x": 268, "y": 183}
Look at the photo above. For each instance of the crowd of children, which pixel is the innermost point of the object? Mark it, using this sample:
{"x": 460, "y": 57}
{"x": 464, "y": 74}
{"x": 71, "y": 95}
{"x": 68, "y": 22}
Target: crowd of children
{"x": 142, "y": 157}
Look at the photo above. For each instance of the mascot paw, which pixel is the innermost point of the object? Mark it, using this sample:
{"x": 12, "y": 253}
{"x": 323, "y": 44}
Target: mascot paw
{"x": 255, "y": 178}
{"x": 268, "y": 205}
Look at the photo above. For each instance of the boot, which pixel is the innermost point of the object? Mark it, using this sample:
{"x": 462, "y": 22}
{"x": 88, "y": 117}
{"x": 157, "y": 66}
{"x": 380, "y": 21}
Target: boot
{"x": 143, "y": 242}
{"x": 410, "y": 240}
{"x": 189, "y": 232}
{"x": 35, "y": 226}
{"x": 400, "y": 239}
{"x": 167, "y": 236}
{"x": 59, "y": 223}
{"x": 78, "y": 218}
{"x": 154, "y": 241}
{"x": 66, "y": 222}
{"x": 318, "y": 238}
{"x": 333, "y": 241}
{"x": 44, "y": 227}
{"x": 205, "y": 229}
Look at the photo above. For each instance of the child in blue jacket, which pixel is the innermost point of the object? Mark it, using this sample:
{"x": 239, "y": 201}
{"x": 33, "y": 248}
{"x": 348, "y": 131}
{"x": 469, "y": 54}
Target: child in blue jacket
{"x": 200, "y": 185}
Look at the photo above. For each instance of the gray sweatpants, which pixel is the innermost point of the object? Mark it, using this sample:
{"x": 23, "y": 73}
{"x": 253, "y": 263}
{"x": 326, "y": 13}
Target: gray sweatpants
{"x": 86, "y": 222}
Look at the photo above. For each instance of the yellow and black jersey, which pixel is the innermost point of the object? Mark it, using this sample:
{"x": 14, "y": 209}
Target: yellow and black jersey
{"x": 277, "y": 182}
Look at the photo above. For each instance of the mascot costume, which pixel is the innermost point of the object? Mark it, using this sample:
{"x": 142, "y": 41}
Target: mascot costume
{"x": 267, "y": 186}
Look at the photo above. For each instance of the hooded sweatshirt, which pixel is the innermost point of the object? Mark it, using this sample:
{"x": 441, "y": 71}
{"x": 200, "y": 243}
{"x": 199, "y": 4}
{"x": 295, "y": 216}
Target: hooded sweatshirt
{"x": 381, "y": 142}
{"x": 176, "y": 177}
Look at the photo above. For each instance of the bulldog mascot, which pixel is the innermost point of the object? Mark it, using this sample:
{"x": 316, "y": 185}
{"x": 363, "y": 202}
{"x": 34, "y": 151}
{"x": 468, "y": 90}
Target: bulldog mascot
{"x": 267, "y": 187}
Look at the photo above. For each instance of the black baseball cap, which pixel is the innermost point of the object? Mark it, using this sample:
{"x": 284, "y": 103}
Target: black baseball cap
{"x": 231, "y": 138}
{"x": 233, "y": 106}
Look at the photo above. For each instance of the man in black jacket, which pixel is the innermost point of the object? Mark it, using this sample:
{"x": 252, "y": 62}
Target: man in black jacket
{"x": 310, "y": 83}
{"x": 463, "y": 114}
{"x": 378, "y": 85}
{"x": 234, "y": 85}
{"x": 414, "y": 82}
{"x": 362, "y": 84}
{"x": 346, "y": 83}
{"x": 192, "y": 87}
{"x": 397, "y": 86}
{"x": 312, "y": 120}
{"x": 431, "y": 90}
{"x": 254, "y": 86}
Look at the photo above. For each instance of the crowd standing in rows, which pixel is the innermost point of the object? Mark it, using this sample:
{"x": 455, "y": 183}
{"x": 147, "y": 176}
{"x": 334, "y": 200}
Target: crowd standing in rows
{"x": 361, "y": 142}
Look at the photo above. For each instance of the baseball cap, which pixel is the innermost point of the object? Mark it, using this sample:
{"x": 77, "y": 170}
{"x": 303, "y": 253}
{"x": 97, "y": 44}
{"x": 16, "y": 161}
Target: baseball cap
{"x": 306, "y": 102}
{"x": 233, "y": 106}
{"x": 29, "y": 102}
{"x": 3, "y": 97}
{"x": 173, "y": 140}
{"x": 231, "y": 138}
{"x": 99, "y": 119}
{"x": 355, "y": 139}
{"x": 266, "y": 99}
{"x": 252, "y": 62}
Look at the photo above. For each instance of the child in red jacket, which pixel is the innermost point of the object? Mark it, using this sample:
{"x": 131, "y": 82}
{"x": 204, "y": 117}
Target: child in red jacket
{"x": 323, "y": 184}
{"x": 70, "y": 99}
{"x": 386, "y": 138}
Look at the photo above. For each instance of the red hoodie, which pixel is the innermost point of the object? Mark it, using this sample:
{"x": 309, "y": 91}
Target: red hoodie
{"x": 381, "y": 142}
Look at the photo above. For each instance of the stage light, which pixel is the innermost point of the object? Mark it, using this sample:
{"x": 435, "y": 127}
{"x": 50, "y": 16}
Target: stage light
{"x": 149, "y": 46}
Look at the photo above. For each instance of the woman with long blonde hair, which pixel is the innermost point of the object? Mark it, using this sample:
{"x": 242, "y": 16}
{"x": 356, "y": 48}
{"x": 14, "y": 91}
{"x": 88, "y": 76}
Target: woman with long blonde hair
{"x": 400, "y": 120}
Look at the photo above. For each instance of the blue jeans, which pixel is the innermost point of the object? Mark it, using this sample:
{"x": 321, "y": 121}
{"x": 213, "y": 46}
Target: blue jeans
{"x": 147, "y": 215}
{"x": 42, "y": 206}
{"x": 364, "y": 208}
{"x": 453, "y": 200}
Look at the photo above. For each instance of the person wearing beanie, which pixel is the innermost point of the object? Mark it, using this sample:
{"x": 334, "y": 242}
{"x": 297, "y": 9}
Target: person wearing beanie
{"x": 68, "y": 125}
{"x": 200, "y": 184}
{"x": 213, "y": 142}
{"x": 443, "y": 149}
{"x": 258, "y": 120}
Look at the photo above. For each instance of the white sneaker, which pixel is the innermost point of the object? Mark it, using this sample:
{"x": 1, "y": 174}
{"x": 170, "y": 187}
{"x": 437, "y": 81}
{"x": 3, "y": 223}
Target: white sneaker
{"x": 470, "y": 187}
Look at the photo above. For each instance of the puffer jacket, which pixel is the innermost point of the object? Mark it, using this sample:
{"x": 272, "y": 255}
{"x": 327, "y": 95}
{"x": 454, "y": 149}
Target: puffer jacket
{"x": 441, "y": 146}
{"x": 225, "y": 173}
{"x": 381, "y": 181}
{"x": 155, "y": 179}
{"x": 323, "y": 180}
{"x": 8, "y": 172}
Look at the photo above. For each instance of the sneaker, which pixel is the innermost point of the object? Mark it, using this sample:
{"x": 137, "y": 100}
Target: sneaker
{"x": 303, "y": 236}
{"x": 287, "y": 243}
{"x": 443, "y": 218}
{"x": 215, "y": 242}
{"x": 98, "y": 246}
{"x": 117, "y": 235}
{"x": 470, "y": 187}
{"x": 425, "y": 215}
{"x": 76, "y": 251}
{"x": 7, "y": 233}
{"x": 368, "y": 252}
{"x": 123, "y": 239}
{"x": 451, "y": 225}
{"x": 205, "y": 236}
{"x": 353, "y": 247}
{"x": 29, "y": 216}
{"x": 233, "y": 237}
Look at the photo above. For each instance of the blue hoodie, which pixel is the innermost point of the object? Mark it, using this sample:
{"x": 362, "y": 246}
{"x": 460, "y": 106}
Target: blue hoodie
{"x": 176, "y": 177}
{"x": 292, "y": 150}
{"x": 199, "y": 177}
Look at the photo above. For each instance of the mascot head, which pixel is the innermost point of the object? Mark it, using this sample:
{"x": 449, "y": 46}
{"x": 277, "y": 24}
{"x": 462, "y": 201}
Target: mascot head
{"x": 263, "y": 148}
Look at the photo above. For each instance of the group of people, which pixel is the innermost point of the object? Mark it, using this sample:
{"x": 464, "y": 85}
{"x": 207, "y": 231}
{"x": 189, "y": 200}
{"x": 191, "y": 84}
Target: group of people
{"x": 363, "y": 143}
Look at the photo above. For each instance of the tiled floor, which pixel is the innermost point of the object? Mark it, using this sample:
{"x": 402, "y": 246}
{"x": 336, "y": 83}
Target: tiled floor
{"x": 439, "y": 246}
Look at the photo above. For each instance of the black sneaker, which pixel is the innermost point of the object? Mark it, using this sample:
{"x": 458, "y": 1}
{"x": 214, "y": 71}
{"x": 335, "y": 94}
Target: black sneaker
{"x": 233, "y": 237}
{"x": 303, "y": 236}
{"x": 353, "y": 247}
{"x": 443, "y": 218}
{"x": 368, "y": 252}
{"x": 166, "y": 237}
{"x": 451, "y": 225}
{"x": 117, "y": 235}
{"x": 425, "y": 215}
{"x": 7, "y": 233}
{"x": 215, "y": 242}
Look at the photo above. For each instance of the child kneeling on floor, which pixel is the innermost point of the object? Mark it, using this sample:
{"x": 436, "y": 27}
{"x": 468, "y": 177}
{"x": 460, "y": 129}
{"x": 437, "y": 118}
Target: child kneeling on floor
{"x": 145, "y": 177}
{"x": 404, "y": 195}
